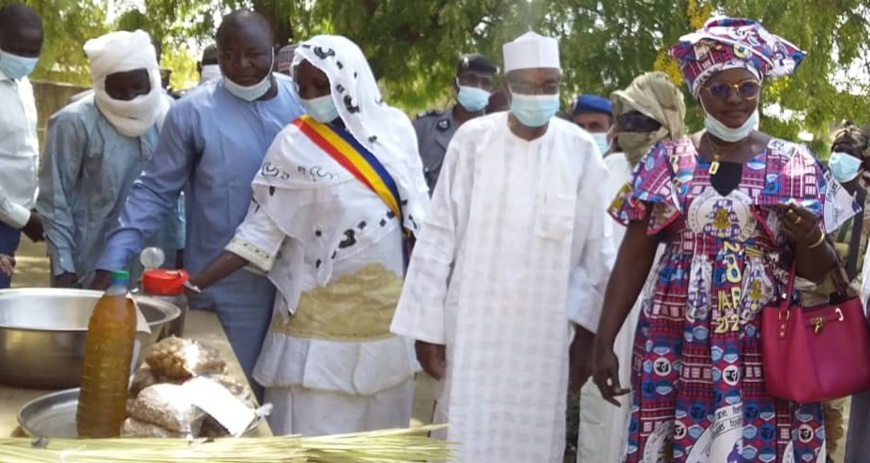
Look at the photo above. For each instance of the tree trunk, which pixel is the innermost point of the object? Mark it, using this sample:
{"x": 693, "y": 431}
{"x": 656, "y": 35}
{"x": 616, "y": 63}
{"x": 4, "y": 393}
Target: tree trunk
{"x": 277, "y": 18}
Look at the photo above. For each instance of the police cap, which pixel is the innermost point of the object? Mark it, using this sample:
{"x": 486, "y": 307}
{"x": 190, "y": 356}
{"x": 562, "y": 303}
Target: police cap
{"x": 476, "y": 63}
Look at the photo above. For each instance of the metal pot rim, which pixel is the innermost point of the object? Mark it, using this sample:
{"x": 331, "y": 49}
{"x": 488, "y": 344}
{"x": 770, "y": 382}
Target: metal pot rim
{"x": 170, "y": 311}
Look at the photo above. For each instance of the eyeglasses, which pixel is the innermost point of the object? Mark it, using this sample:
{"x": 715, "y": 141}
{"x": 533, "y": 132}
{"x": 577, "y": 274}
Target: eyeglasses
{"x": 635, "y": 121}
{"x": 747, "y": 90}
{"x": 527, "y": 88}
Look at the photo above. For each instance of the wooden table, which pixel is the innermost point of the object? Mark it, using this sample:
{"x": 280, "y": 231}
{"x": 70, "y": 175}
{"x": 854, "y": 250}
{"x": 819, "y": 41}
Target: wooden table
{"x": 203, "y": 326}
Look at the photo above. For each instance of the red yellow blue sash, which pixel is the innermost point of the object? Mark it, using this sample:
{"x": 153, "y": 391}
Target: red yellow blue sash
{"x": 341, "y": 146}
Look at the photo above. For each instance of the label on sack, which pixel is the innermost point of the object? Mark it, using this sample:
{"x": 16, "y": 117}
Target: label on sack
{"x": 221, "y": 404}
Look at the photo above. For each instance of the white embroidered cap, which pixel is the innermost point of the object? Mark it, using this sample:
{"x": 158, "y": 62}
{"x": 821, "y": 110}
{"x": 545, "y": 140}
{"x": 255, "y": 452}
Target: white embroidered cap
{"x": 531, "y": 50}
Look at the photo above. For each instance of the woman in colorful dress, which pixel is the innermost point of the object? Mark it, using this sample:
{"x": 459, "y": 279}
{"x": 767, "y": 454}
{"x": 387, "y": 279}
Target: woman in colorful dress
{"x": 734, "y": 208}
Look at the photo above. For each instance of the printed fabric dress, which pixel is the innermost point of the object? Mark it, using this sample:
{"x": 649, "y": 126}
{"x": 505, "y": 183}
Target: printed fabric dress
{"x": 698, "y": 380}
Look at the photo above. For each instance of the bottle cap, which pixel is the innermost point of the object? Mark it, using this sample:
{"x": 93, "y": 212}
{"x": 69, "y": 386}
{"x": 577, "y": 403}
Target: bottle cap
{"x": 162, "y": 282}
{"x": 120, "y": 276}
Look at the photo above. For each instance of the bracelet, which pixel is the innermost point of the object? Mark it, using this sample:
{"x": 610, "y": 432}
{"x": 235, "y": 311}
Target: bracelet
{"x": 819, "y": 242}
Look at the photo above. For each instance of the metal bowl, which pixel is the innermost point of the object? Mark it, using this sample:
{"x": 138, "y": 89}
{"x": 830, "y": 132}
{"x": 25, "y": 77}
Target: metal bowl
{"x": 54, "y": 416}
{"x": 43, "y": 330}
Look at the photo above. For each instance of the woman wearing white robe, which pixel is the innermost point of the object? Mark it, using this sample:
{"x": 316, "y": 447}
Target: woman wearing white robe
{"x": 334, "y": 250}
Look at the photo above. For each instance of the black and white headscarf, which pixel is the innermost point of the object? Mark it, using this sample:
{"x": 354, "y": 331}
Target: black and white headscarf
{"x": 385, "y": 131}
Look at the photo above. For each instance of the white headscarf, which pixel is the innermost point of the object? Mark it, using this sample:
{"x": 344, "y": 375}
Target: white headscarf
{"x": 383, "y": 130}
{"x": 124, "y": 51}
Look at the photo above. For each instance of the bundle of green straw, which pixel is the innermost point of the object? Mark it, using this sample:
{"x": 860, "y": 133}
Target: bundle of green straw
{"x": 393, "y": 446}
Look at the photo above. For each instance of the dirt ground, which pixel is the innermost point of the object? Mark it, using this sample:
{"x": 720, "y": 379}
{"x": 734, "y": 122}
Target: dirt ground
{"x": 32, "y": 269}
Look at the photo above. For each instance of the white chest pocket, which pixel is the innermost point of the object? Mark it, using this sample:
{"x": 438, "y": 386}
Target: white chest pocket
{"x": 555, "y": 216}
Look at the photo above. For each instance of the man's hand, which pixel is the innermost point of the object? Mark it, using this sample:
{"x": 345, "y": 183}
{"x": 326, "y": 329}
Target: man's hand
{"x": 101, "y": 280}
{"x": 432, "y": 357}
{"x": 580, "y": 356}
{"x": 33, "y": 229}
{"x": 7, "y": 264}
{"x": 66, "y": 280}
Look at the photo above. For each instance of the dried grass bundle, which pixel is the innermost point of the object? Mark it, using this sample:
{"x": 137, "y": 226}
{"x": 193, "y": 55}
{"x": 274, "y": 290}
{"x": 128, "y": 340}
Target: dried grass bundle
{"x": 396, "y": 446}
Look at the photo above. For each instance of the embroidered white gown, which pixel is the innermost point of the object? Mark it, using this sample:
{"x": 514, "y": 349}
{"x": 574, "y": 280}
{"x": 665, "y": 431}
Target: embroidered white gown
{"x": 520, "y": 225}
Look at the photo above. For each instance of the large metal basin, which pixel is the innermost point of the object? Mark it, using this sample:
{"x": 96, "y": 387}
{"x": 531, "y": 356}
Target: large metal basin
{"x": 43, "y": 330}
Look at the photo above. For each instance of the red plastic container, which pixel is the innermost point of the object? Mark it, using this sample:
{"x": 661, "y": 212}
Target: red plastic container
{"x": 167, "y": 285}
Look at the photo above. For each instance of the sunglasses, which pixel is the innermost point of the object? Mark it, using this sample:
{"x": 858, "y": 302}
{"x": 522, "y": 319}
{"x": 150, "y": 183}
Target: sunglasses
{"x": 634, "y": 121}
{"x": 747, "y": 90}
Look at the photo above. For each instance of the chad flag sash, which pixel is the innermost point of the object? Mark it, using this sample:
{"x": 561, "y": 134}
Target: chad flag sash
{"x": 360, "y": 162}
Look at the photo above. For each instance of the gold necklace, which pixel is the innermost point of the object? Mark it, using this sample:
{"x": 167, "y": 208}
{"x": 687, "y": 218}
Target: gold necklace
{"x": 714, "y": 165}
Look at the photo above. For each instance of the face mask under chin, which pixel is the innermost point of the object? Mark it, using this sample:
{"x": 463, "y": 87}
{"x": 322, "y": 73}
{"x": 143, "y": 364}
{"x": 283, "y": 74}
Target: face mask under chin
{"x": 716, "y": 128}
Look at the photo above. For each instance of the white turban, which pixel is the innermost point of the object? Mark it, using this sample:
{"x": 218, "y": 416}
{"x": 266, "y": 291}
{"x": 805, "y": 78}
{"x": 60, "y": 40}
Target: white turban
{"x": 122, "y": 52}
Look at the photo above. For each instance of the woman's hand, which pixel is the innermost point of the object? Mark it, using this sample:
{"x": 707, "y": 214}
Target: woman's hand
{"x": 192, "y": 285}
{"x": 814, "y": 256}
{"x": 7, "y": 265}
{"x": 605, "y": 373}
{"x": 800, "y": 225}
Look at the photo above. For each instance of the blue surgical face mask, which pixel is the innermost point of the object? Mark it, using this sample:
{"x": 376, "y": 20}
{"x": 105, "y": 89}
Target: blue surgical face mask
{"x": 727, "y": 134}
{"x": 254, "y": 92}
{"x": 16, "y": 67}
{"x": 534, "y": 110}
{"x": 602, "y": 141}
{"x": 321, "y": 109}
{"x": 473, "y": 99}
{"x": 843, "y": 166}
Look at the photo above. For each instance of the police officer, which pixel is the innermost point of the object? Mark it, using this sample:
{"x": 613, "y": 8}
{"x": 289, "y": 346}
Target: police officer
{"x": 473, "y": 83}
{"x": 595, "y": 114}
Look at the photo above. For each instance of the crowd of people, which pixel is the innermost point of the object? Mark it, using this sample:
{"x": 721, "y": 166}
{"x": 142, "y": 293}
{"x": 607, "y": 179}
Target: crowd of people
{"x": 516, "y": 253}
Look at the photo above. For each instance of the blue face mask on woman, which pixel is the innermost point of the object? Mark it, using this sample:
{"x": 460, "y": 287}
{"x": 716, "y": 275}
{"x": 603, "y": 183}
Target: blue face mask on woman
{"x": 321, "y": 109}
{"x": 16, "y": 67}
{"x": 843, "y": 166}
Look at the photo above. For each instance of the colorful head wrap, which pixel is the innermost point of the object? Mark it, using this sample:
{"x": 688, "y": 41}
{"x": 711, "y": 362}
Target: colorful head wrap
{"x": 727, "y": 43}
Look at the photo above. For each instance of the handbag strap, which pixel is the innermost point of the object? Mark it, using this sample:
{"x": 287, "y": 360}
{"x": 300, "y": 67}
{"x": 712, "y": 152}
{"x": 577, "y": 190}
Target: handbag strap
{"x": 838, "y": 277}
{"x": 789, "y": 288}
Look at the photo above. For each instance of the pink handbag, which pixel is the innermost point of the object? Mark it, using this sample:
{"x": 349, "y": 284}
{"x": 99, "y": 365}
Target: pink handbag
{"x": 816, "y": 353}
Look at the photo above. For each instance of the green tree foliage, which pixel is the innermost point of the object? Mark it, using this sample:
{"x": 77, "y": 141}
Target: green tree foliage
{"x": 68, "y": 25}
{"x": 413, "y": 45}
{"x": 833, "y": 33}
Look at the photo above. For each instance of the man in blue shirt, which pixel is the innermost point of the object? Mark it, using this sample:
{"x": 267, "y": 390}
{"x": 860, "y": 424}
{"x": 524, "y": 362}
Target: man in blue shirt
{"x": 215, "y": 139}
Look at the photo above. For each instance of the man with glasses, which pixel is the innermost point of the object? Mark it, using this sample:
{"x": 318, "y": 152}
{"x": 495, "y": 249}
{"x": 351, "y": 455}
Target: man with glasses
{"x": 511, "y": 265}
{"x": 472, "y": 83}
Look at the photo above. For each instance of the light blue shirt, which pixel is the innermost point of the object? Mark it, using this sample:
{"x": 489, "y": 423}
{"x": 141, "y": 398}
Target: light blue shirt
{"x": 89, "y": 168}
{"x": 213, "y": 143}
